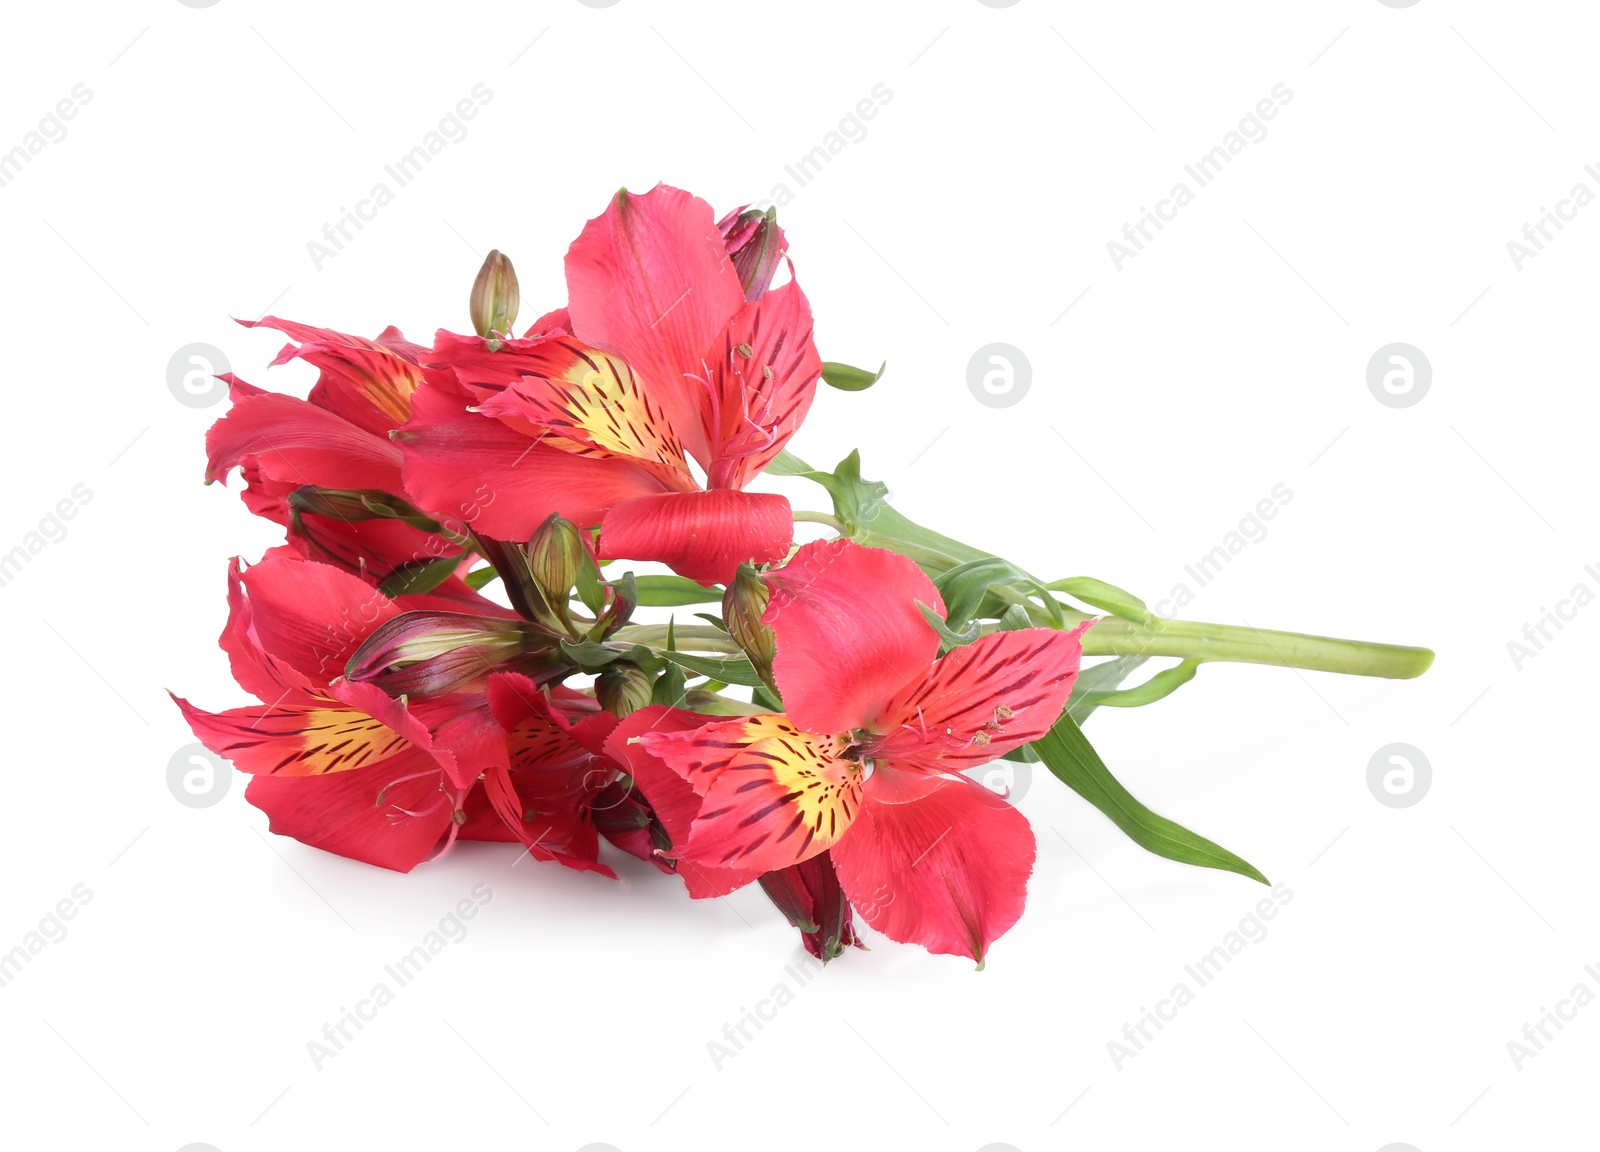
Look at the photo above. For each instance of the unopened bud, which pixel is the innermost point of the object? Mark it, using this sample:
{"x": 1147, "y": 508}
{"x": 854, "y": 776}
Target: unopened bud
{"x": 811, "y": 898}
{"x": 623, "y": 688}
{"x": 756, "y": 245}
{"x": 556, "y": 557}
{"x": 353, "y": 504}
{"x": 421, "y": 653}
{"x": 743, "y": 605}
{"x": 495, "y": 298}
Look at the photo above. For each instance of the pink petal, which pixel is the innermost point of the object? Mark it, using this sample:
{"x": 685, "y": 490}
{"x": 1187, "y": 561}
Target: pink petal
{"x": 765, "y": 394}
{"x": 257, "y": 672}
{"x": 947, "y": 870}
{"x": 367, "y": 382}
{"x": 850, "y": 636}
{"x": 983, "y": 700}
{"x": 555, "y": 322}
{"x": 312, "y": 616}
{"x": 701, "y": 535}
{"x": 651, "y": 280}
{"x": 771, "y": 794}
{"x": 469, "y": 366}
{"x": 551, "y": 826}
{"x": 297, "y": 736}
{"x": 299, "y": 443}
{"x": 471, "y": 471}
{"x": 459, "y": 731}
{"x": 340, "y": 812}
{"x": 590, "y": 403}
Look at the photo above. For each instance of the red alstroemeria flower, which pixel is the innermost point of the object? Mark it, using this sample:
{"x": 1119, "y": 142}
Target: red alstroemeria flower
{"x": 344, "y": 767}
{"x": 308, "y": 463}
{"x": 658, "y": 359}
{"x": 867, "y": 763}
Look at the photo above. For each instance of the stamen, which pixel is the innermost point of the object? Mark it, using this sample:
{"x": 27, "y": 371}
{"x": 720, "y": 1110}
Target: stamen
{"x": 384, "y": 791}
{"x": 458, "y": 817}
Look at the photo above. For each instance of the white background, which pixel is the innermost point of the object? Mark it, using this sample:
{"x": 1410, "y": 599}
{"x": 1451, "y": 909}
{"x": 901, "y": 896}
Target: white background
{"x": 1228, "y": 357}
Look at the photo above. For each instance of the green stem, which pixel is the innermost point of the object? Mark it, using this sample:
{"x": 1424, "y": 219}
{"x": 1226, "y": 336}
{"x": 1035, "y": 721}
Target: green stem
{"x": 935, "y": 551}
{"x": 1243, "y": 644}
{"x": 827, "y": 518}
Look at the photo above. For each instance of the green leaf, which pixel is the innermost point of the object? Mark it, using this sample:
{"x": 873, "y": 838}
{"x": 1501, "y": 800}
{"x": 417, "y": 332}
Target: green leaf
{"x": 948, "y": 637}
{"x": 671, "y": 687}
{"x": 419, "y": 576}
{"x": 1098, "y": 679}
{"x": 863, "y": 506}
{"x": 480, "y": 578}
{"x": 1106, "y": 597}
{"x": 701, "y": 699}
{"x": 591, "y": 656}
{"x": 624, "y": 599}
{"x": 855, "y": 501}
{"x": 967, "y": 587}
{"x": 1158, "y": 687}
{"x": 729, "y": 669}
{"x": 1070, "y": 756}
{"x": 786, "y": 463}
{"x": 1014, "y": 618}
{"x": 848, "y": 379}
{"x": 590, "y": 588}
{"x": 674, "y": 591}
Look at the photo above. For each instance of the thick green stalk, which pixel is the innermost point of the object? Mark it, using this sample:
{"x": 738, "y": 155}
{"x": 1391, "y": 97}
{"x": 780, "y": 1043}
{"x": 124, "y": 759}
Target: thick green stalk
{"x": 1196, "y": 640}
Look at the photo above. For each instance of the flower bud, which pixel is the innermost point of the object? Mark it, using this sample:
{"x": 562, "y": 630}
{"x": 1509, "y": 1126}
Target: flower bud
{"x": 742, "y": 607}
{"x": 354, "y": 504}
{"x": 623, "y": 688}
{"x": 811, "y": 899}
{"x": 427, "y": 652}
{"x": 756, "y": 244}
{"x": 556, "y": 556}
{"x": 495, "y": 298}
{"x": 623, "y": 816}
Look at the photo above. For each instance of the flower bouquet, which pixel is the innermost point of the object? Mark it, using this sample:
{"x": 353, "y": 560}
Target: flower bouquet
{"x": 451, "y": 646}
